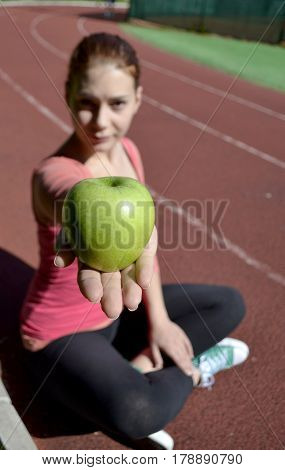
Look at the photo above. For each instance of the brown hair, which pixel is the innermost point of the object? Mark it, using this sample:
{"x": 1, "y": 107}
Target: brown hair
{"x": 105, "y": 47}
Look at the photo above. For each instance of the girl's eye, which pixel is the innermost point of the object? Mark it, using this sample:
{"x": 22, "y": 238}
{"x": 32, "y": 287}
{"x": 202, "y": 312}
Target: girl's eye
{"x": 85, "y": 104}
{"x": 117, "y": 104}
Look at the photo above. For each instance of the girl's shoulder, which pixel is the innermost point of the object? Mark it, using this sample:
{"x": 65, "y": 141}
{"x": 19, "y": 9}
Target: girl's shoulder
{"x": 57, "y": 163}
{"x": 135, "y": 156}
{"x": 132, "y": 149}
{"x": 51, "y": 179}
{"x": 59, "y": 173}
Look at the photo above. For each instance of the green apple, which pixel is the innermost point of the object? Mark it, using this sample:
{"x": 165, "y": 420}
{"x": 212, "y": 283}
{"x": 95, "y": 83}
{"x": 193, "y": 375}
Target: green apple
{"x": 108, "y": 221}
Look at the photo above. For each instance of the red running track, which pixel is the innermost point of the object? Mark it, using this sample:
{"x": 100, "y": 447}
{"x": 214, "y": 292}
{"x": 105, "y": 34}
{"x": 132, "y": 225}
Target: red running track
{"x": 238, "y": 158}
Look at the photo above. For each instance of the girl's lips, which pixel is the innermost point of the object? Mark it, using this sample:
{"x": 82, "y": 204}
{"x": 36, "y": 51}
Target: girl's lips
{"x": 99, "y": 139}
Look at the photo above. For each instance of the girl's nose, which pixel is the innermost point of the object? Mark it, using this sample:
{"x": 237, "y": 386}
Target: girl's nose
{"x": 100, "y": 118}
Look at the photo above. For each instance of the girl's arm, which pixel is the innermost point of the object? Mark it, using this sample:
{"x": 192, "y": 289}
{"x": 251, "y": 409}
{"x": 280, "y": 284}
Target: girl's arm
{"x": 51, "y": 181}
{"x": 164, "y": 334}
{"x": 153, "y": 300}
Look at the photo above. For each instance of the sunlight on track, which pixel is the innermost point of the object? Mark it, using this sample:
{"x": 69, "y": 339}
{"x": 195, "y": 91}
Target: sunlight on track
{"x": 213, "y": 90}
{"x": 34, "y": 102}
{"x": 215, "y": 133}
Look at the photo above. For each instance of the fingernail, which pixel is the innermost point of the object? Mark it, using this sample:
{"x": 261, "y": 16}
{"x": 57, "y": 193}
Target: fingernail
{"x": 58, "y": 262}
{"x": 146, "y": 287}
{"x": 133, "y": 309}
{"x": 189, "y": 373}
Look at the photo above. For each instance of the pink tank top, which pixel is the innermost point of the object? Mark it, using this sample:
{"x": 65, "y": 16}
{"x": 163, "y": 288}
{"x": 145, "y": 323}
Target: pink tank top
{"x": 54, "y": 306}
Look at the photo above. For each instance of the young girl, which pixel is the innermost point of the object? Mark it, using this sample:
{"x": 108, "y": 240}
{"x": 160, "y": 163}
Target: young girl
{"x": 118, "y": 350}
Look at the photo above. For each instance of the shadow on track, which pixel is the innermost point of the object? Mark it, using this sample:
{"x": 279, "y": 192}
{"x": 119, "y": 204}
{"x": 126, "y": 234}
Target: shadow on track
{"x": 43, "y": 418}
{"x": 115, "y": 17}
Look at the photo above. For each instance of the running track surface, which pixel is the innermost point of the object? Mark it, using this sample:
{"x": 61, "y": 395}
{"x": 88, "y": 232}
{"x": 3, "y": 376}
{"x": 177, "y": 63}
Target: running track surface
{"x": 239, "y": 158}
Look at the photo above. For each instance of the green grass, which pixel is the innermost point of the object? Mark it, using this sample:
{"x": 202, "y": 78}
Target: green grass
{"x": 263, "y": 64}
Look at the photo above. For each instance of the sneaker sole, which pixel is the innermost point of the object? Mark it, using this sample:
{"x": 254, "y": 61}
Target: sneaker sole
{"x": 162, "y": 440}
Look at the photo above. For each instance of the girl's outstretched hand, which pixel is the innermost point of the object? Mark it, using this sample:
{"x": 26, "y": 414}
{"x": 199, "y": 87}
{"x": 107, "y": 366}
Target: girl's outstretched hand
{"x": 114, "y": 290}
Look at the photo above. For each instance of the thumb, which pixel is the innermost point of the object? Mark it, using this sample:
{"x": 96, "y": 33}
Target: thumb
{"x": 64, "y": 255}
{"x": 156, "y": 355}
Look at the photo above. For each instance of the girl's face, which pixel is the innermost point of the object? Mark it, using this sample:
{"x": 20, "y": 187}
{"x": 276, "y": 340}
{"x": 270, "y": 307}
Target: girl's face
{"x": 104, "y": 102}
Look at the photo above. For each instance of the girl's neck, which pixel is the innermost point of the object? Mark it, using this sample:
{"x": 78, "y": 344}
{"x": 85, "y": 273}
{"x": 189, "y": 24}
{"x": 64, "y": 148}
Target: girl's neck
{"x": 73, "y": 148}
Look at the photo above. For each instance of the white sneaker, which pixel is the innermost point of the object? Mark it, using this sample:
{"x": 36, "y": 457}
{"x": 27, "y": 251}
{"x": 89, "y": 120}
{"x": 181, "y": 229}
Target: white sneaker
{"x": 162, "y": 439}
{"x": 226, "y": 354}
{"x": 240, "y": 349}
{"x": 159, "y": 440}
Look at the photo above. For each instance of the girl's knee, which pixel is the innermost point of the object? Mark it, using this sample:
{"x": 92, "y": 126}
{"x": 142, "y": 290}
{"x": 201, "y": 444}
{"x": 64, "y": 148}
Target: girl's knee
{"x": 135, "y": 419}
{"x": 233, "y": 303}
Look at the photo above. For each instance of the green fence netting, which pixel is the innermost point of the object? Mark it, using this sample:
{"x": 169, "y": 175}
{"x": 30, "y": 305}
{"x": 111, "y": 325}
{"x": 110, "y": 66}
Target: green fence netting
{"x": 240, "y": 18}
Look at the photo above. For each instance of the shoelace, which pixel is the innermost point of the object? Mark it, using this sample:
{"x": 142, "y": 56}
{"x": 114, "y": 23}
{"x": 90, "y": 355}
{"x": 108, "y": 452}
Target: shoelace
{"x": 215, "y": 362}
{"x": 206, "y": 381}
{"x": 210, "y": 365}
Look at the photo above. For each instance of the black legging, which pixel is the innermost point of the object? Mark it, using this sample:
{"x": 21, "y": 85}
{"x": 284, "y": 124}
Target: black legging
{"x": 94, "y": 379}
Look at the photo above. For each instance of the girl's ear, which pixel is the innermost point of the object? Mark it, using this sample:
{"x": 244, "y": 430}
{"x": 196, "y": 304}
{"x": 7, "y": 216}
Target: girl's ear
{"x": 139, "y": 94}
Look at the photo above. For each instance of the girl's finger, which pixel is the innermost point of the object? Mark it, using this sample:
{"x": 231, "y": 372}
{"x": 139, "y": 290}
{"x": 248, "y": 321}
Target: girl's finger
{"x": 188, "y": 347}
{"x": 64, "y": 255}
{"x": 112, "y": 301}
{"x": 132, "y": 293}
{"x": 144, "y": 264}
{"x": 63, "y": 259}
{"x": 156, "y": 354}
{"x": 187, "y": 355}
{"x": 183, "y": 361}
{"x": 89, "y": 282}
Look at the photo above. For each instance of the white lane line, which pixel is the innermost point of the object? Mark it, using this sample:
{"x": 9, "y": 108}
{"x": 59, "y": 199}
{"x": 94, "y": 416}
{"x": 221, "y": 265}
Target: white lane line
{"x": 200, "y": 85}
{"x": 35, "y": 103}
{"x": 81, "y": 28}
{"x": 45, "y": 44}
{"x": 232, "y": 247}
{"x": 213, "y": 90}
{"x": 219, "y": 135}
